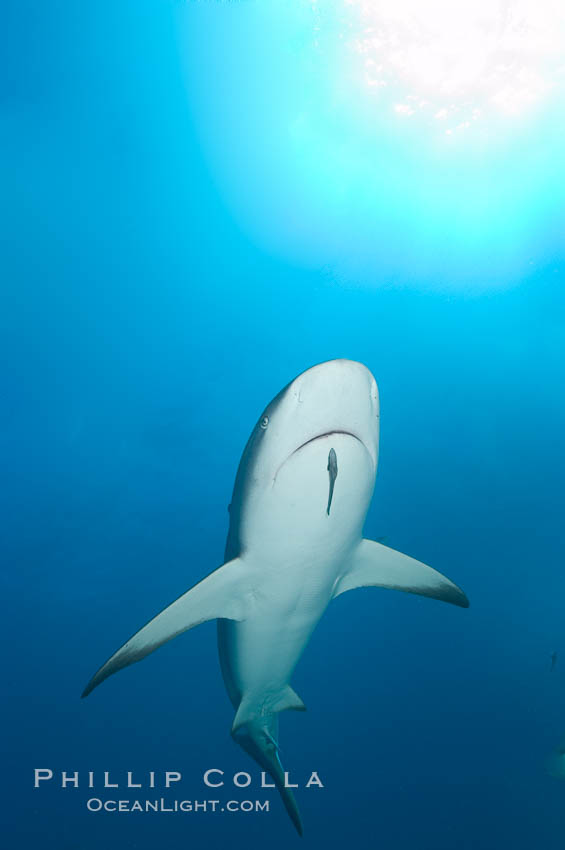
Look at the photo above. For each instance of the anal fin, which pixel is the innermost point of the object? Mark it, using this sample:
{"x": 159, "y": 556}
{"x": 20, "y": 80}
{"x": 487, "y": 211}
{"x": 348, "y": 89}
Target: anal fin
{"x": 288, "y": 700}
{"x": 252, "y": 710}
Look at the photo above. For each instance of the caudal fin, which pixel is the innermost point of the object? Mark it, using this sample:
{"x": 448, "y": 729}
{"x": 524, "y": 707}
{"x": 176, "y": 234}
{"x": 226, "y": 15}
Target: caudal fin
{"x": 259, "y": 739}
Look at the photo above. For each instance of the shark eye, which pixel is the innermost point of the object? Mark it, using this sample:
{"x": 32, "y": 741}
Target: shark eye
{"x": 264, "y": 422}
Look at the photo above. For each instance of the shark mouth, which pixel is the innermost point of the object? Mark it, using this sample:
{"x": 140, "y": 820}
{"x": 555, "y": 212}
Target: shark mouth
{"x": 313, "y": 440}
{"x": 328, "y": 434}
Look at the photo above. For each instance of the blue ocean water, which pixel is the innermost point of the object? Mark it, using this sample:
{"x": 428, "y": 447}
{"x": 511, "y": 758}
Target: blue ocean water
{"x": 192, "y": 215}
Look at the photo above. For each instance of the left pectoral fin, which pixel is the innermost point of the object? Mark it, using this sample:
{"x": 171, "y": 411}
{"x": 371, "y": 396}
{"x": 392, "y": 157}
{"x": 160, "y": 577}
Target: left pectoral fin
{"x": 375, "y": 565}
{"x": 226, "y": 593}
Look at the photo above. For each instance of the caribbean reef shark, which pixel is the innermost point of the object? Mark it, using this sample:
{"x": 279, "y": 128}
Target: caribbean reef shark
{"x": 294, "y": 544}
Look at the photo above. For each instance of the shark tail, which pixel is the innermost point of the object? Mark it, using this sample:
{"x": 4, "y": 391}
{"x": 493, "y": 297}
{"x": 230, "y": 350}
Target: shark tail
{"x": 258, "y": 737}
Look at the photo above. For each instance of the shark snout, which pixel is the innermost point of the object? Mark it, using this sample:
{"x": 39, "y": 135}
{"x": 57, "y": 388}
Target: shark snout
{"x": 336, "y": 376}
{"x": 339, "y": 396}
{"x": 337, "y": 389}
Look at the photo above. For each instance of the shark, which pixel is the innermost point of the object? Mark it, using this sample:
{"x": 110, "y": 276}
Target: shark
{"x": 295, "y": 543}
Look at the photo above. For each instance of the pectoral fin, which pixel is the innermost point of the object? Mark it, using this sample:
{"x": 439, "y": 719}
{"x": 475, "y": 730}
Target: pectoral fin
{"x": 375, "y": 565}
{"x": 225, "y": 593}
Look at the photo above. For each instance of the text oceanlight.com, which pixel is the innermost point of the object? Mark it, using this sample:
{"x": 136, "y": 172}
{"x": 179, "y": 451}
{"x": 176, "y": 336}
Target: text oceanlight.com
{"x": 95, "y": 804}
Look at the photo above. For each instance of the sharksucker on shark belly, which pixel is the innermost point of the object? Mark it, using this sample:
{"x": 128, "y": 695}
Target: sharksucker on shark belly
{"x": 332, "y": 469}
{"x": 284, "y": 562}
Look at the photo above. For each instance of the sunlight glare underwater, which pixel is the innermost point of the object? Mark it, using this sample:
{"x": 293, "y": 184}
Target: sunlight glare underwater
{"x": 458, "y": 62}
{"x": 390, "y": 141}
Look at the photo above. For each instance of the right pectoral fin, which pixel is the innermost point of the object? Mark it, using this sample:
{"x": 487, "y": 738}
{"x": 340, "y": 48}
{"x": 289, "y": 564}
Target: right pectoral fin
{"x": 226, "y": 593}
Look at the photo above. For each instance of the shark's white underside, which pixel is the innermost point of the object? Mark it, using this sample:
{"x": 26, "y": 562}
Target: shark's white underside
{"x": 286, "y": 556}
